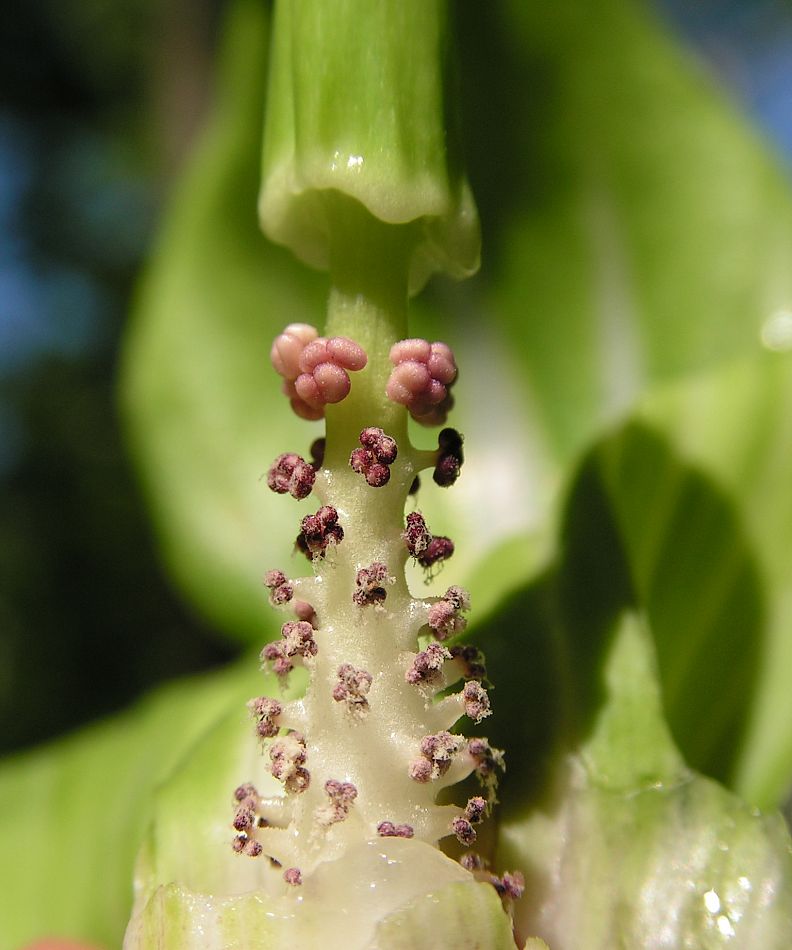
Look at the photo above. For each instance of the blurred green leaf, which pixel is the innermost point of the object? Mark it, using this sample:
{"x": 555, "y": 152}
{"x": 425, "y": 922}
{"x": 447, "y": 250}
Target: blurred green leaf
{"x": 636, "y": 243}
{"x": 630, "y": 848}
{"x": 74, "y": 813}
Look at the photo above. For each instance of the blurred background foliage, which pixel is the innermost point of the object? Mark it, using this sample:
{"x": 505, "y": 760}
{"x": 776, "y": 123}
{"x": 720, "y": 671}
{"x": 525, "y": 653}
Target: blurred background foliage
{"x": 100, "y": 106}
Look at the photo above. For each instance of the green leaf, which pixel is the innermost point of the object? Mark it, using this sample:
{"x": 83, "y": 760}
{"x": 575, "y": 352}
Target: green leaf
{"x": 631, "y": 849}
{"x": 205, "y": 416}
{"x": 74, "y": 813}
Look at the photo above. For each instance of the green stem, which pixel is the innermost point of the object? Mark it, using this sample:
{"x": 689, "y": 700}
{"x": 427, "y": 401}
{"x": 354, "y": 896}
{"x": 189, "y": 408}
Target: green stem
{"x": 368, "y": 304}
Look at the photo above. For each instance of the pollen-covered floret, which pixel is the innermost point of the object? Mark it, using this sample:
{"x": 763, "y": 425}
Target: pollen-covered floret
{"x": 462, "y": 826}
{"x": 265, "y": 711}
{"x": 280, "y": 587}
{"x": 352, "y": 689}
{"x": 319, "y": 532}
{"x": 246, "y": 821}
{"x": 437, "y": 753}
{"x": 426, "y": 548}
{"x": 287, "y": 761}
{"x": 297, "y": 639}
{"x": 476, "y": 700}
{"x": 370, "y": 584}
{"x": 511, "y": 885}
{"x": 422, "y": 375}
{"x": 487, "y": 761}
{"x": 291, "y": 474}
{"x": 293, "y": 876}
{"x": 387, "y": 829}
{"x": 373, "y": 460}
{"x": 416, "y": 535}
{"x": 341, "y": 796}
{"x": 470, "y": 662}
{"x": 449, "y": 458}
{"x": 445, "y": 616}
{"x": 427, "y": 666}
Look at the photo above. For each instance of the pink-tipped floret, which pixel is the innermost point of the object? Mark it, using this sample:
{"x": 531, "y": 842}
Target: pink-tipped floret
{"x": 420, "y": 380}
{"x": 288, "y": 347}
{"x": 315, "y": 369}
{"x": 324, "y": 370}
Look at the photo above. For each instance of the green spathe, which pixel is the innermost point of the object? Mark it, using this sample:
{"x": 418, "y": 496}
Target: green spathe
{"x": 359, "y": 104}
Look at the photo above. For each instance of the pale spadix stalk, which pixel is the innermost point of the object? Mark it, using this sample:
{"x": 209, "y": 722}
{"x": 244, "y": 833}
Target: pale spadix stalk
{"x": 374, "y": 741}
{"x": 362, "y": 176}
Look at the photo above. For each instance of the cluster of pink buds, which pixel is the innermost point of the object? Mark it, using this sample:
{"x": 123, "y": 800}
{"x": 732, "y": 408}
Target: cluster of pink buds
{"x": 318, "y": 532}
{"x": 373, "y": 460}
{"x": 426, "y": 548}
{"x": 422, "y": 376}
{"x": 297, "y": 639}
{"x": 291, "y": 474}
{"x": 445, "y": 616}
{"x": 315, "y": 369}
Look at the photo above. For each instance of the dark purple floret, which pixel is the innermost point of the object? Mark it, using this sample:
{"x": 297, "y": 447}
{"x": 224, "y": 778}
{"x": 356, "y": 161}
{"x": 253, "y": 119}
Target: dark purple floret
{"x": 476, "y": 701}
{"x": 265, "y": 711}
{"x": 511, "y": 885}
{"x": 280, "y": 587}
{"x": 464, "y": 831}
{"x": 369, "y": 584}
{"x": 387, "y": 829}
{"x": 374, "y": 468}
{"x": 476, "y": 809}
{"x": 341, "y": 796}
{"x": 439, "y": 549}
{"x": 381, "y": 445}
{"x": 472, "y": 861}
{"x": 319, "y": 531}
{"x": 317, "y": 452}
{"x": 416, "y": 535}
{"x": 291, "y": 474}
{"x": 352, "y": 688}
{"x": 427, "y": 665}
{"x": 449, "y": 458}
{"x": 471, "y": 662}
